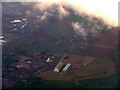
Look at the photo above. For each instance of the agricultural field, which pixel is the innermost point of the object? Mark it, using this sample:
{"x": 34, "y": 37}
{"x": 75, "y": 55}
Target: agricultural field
{"x": 104, "y": 67}
{"x": 105, "y": 43}
{"x": 92, "y": 83}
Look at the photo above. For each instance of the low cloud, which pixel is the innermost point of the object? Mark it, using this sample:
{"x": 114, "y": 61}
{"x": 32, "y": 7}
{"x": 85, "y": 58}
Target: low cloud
{"x": 107, "y": 10}
{"x": 79, "y": 30}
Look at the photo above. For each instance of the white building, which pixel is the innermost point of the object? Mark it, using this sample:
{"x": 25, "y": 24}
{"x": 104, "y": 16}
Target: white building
{"x": 58, "y": 67}
{"x": 2, "y": 41}
{"x": 24, "y": 19}
{"x": 48, "y": 60}
{"x": 16, "y": 21}
{"x": 15, "y": 29}
{"x": 1, "y": 37}
{"x": 66, "y": 67}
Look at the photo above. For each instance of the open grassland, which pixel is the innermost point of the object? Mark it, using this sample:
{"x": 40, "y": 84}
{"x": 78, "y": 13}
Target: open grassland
{"x": 31, "y": 82}
{"x": 107, "y": 42}
{"x": 97, "y": 68}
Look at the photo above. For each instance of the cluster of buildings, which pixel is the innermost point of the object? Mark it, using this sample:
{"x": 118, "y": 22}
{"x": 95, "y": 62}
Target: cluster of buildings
{"x": 23, "y": 63}
{"x": 61, "y": 67}
{"x": 13, "y": 17}
{"x": 19, "y": 24}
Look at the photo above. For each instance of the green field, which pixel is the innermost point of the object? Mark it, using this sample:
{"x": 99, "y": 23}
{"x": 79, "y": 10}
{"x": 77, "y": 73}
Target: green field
{"x": 108, "y": 82}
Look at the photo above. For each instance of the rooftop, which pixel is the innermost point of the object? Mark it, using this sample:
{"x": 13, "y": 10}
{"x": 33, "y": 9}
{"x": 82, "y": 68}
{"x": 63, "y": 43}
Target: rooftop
{"x": 67, "y": 66}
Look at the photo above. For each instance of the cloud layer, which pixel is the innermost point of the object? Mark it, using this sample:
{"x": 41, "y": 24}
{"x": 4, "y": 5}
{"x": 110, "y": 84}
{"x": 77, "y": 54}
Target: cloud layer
{"x": 107, "y": 10}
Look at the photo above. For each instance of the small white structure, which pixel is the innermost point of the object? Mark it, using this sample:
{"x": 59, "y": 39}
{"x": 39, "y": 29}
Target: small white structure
{"x": 66, "y": 67}
{"x": 85, "y": 44}
{"x": 24, "y": 19}
{"x": 2, "y": 41}
{"x": 14, "y": 24}
{"x": 16, "y": 21}
{"x": 15, "y": 29}
{"x": 19, "y": 66}
{"x": 23, "y": 26}
{"x": 48, "y": 60}
{"x": 28, "y": 62}
{"x": 1, "y": 37}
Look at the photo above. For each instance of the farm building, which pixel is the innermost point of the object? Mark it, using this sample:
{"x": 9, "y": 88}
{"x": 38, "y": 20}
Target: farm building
{"x": 48, "y": 60}
{"x": 16, "y": 21}
{"x": 66, "y": 67}
{"x": 1, "y": 37}
{"x": 2, "y": 41}
{"x": 58, "y": 67}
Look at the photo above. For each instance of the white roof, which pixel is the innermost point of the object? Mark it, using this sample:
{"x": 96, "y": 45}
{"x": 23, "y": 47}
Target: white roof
{"x": 16, "y": 21}
{"x": 48, "y": 60}
{"x": 15, "y": 28}
{"x": 1, "y": 36}
{"x": 67, "y": 66}
{"x": 2, "y": 41}
{"x": 24, "y": 19}
{"x": 29, "y": 61}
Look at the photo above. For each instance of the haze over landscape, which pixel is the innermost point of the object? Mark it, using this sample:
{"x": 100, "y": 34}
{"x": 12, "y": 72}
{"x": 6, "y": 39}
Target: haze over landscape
{"x": 60, "y": 43}
{"x": 101, "y": 8}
